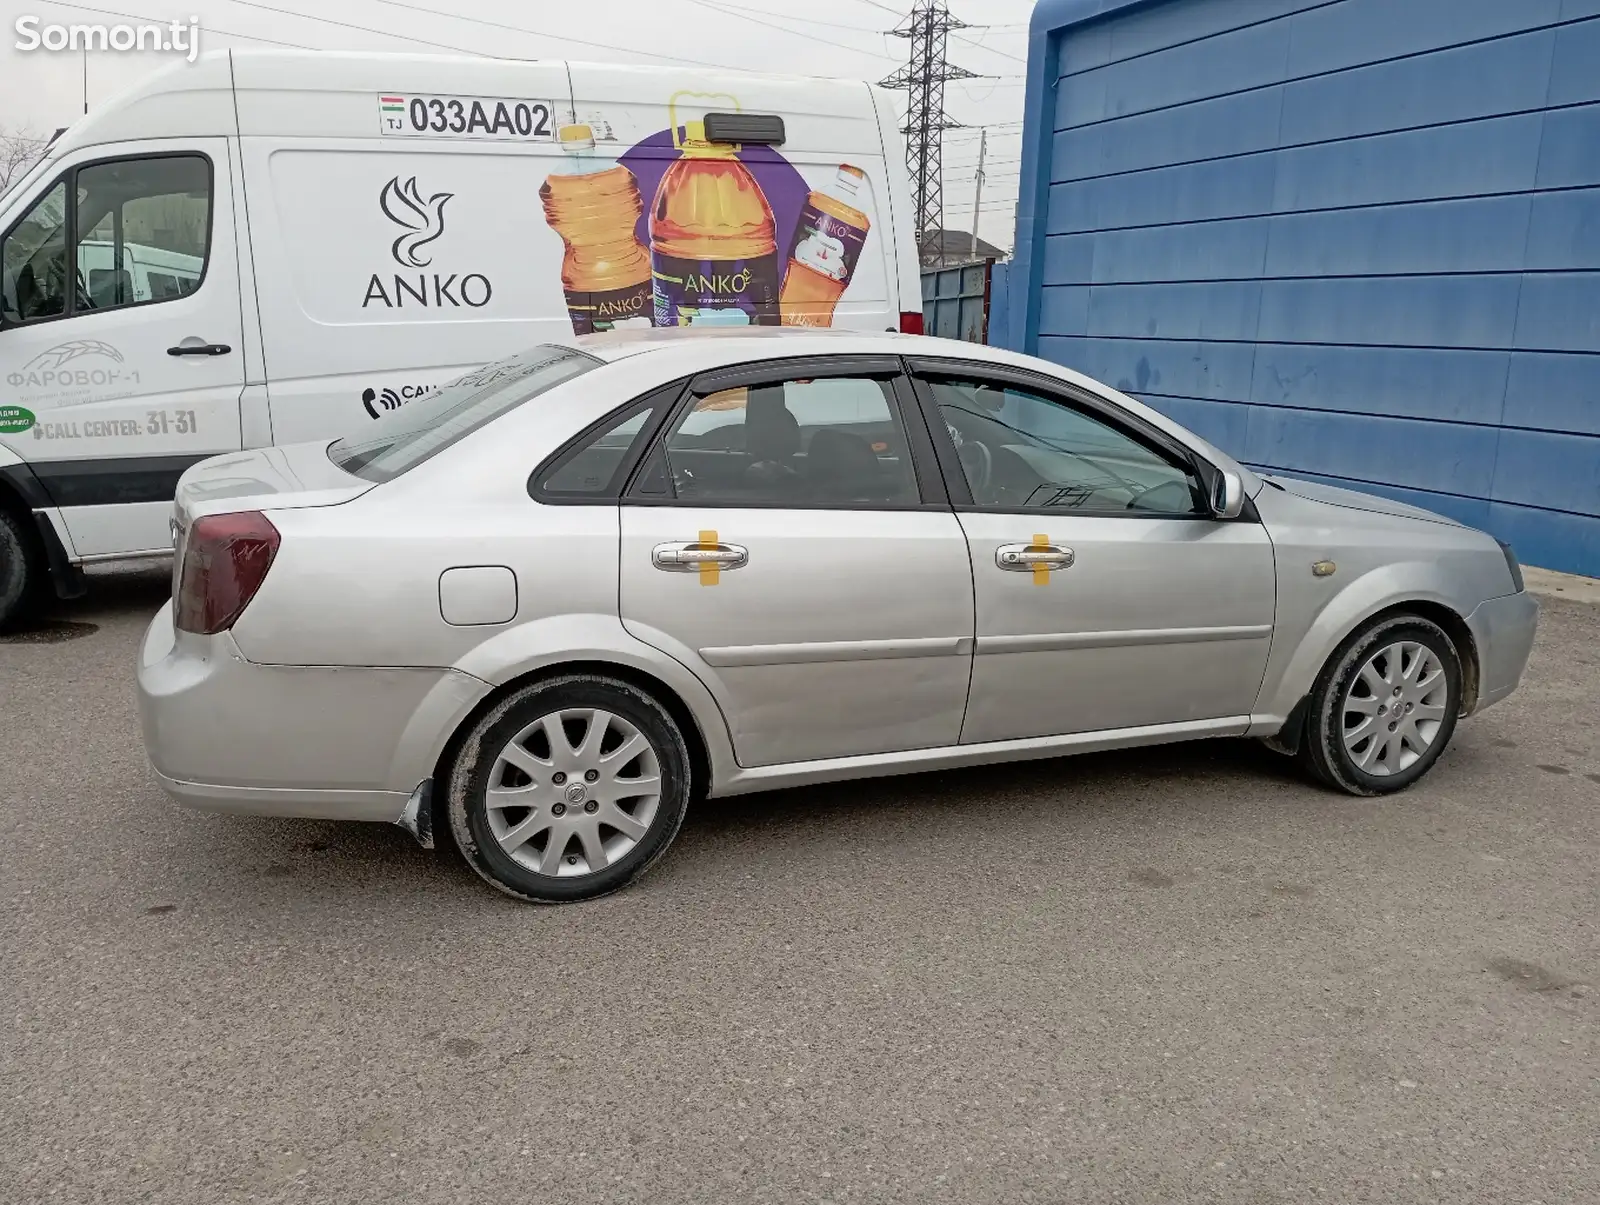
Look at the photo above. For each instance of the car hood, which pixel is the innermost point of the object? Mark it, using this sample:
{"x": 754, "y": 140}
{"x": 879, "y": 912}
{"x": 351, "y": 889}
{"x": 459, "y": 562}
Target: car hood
{"x": 1355, "y": 500}
{"x": 296, "y": 475}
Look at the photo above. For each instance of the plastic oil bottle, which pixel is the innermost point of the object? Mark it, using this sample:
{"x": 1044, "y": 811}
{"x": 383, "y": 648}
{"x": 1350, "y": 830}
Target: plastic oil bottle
{"x": 713, "y": 251}
{"x": 827, "y": 246}
{"x": 594, "y": 208}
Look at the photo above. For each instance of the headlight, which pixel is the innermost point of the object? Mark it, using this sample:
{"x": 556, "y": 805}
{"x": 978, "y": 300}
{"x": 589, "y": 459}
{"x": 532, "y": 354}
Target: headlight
{"x": 1513, "y": 565}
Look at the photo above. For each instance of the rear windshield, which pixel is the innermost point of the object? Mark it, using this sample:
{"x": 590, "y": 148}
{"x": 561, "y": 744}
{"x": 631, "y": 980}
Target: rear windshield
{"x": 406, "y": 437}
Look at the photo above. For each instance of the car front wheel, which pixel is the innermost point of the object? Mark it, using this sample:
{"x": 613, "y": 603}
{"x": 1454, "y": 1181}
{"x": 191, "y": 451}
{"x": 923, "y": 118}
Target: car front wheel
{"x": 1384, "y": 708}
{"x": 569, "y": 788}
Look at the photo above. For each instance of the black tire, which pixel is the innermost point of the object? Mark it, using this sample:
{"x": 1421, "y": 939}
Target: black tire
{"x": 21, "y": 574}
{"x": 1322, "y": 749}
{"x": 469, "y": 780}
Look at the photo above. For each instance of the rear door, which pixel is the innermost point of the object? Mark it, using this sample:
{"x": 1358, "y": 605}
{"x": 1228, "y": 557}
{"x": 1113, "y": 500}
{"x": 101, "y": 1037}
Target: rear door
{"x": 130, "y": 375}
{"x": 1107, "y": 596}
{"x": 788, "y": 540}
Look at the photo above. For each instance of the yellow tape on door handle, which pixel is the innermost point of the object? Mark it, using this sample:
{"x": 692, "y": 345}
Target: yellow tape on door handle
{"x": 710, "y": 571}
{"x": 1041, "y": 571}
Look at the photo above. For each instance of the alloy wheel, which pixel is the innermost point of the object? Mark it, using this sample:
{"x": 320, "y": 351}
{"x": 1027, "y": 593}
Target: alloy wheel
{"x": 1394, "y": 708}
{"x": 573, "y": 792}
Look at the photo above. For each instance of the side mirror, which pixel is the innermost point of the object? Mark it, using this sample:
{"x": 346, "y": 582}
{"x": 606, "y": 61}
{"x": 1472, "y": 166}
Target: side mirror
{"x": 1227, "y": 496}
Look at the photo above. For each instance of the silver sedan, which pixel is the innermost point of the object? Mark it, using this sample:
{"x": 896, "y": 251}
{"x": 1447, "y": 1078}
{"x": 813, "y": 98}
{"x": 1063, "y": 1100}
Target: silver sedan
{"x": 552, "y": 602}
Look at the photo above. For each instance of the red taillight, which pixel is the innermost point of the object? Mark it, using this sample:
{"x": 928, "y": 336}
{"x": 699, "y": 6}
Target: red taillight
{"x": 225, "y": 560}
{"x": 911, "y": 322}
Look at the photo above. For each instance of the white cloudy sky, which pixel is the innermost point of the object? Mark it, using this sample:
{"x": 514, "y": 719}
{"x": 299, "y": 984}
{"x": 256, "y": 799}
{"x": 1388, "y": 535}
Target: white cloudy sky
{"x": 41, "y": 91}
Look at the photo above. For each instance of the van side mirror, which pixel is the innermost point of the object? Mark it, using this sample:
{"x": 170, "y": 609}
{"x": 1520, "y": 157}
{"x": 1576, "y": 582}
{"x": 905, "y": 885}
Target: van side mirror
{"x": 1227, "y": 496}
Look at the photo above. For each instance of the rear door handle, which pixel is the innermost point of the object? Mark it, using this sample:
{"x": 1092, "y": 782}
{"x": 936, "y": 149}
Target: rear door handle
{"x": 688, "y": 556}
{"x": 1025, "y": 558}
{"x": 199, "y": 349}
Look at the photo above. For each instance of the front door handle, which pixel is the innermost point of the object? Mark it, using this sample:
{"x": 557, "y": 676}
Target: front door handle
{"x": 199, "y": 349}
{"x": 1026, "y": 558}
{"x": 689, "y": 556}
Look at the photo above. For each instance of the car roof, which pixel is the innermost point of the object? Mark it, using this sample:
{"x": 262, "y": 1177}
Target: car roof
{"x": 678, "y": 352}
{"x": 713, "y": 347}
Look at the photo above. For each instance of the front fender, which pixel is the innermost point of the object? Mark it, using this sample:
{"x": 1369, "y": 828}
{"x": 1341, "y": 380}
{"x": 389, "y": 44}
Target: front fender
{"x": 1309, "y": 629}
{"x": 545, "y": 644}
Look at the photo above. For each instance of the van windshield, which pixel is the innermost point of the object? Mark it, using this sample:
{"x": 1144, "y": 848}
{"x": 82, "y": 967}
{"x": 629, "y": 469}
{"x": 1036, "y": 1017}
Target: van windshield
{"x": 404, "y": 438}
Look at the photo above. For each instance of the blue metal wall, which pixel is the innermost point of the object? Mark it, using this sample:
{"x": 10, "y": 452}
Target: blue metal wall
{"x": 1356, "y": 240}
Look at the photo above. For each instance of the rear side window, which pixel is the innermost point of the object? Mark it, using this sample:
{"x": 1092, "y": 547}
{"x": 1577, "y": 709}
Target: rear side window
{"x": 594, "y": 468}
{"x": 404, "y": 438}
{"x": 834, "y": 441}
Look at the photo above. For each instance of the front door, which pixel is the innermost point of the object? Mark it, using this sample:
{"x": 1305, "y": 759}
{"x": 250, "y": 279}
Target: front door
{"x": 787, "y": 540}
{"x": 123, "y": 337}
{"x": 1107, "y": 597}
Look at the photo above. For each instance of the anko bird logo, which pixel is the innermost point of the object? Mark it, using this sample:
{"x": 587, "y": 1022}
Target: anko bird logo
{"x": 423, "y": 220}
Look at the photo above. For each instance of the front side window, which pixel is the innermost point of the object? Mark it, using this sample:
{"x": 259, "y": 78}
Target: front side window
{"x": 139, "y": 230}
{"x": 405, "y": 438}
{"x": 33, "y": 261}
{"x": 1021, "y": 450}
{"x": 831, "y": 441}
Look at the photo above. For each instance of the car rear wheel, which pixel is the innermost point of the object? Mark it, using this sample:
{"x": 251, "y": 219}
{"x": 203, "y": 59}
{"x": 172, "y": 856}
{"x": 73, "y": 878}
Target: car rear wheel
{"x": 1385, "y": 707}
{"x": 569, "y": 788}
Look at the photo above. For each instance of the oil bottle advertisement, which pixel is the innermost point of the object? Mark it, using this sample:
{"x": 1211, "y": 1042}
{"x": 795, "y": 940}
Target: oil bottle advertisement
{"x": 681, "y": 231}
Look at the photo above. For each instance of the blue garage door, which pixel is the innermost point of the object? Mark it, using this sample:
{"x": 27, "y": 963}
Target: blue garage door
{"x": 1355, "y": 240}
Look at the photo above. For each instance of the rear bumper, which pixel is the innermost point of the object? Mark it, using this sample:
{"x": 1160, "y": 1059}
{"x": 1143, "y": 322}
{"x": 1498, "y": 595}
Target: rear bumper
{"x": 326, "y": 742}
{"x": 383, "y": 806}
{"x": 1503, "y": 629}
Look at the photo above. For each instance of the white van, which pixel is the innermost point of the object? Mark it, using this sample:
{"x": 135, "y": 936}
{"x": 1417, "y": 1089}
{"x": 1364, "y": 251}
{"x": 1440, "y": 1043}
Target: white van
{"x": 269, "y": 247}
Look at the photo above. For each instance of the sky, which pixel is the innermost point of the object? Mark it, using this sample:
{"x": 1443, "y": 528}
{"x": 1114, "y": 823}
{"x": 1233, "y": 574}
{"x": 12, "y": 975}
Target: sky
{"x": 40, "y": 91}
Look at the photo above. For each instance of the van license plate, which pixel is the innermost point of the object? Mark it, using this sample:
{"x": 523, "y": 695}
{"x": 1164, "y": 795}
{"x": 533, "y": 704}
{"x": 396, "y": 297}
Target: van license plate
{"x": 409, "y": 115}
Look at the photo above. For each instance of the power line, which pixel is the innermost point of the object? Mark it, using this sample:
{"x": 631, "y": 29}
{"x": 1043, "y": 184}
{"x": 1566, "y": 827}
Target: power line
{"x": 209, "y": 28}
{"x": 979, "y": 45}
{"x": 384, "y": 33}
{"x": 744, "y": 16}
{"x": 807, "y": 20}
{"x": 433, "y": 12}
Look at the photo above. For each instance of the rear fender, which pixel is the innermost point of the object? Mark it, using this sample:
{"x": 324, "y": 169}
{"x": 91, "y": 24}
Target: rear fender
{"x": 539, "y": 647}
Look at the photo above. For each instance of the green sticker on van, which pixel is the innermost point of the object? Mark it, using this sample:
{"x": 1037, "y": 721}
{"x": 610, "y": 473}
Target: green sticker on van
{"x": 14, "y": 419}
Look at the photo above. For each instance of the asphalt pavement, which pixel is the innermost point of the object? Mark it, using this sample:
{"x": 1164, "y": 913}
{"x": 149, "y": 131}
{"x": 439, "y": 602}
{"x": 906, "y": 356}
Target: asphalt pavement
{"x": 1160, "y": 976}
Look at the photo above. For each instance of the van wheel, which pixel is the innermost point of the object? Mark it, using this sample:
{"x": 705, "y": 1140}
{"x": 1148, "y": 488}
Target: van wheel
{"x": 569, "y": 788}
{"x": 1384, "y": 708}
{"x": 21, "y": 574}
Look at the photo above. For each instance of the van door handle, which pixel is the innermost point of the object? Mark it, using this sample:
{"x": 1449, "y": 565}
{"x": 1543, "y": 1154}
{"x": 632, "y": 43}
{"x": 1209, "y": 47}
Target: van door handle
{"x": 689, "y": 556}
{"x": 1025, "y": 558}
{"x": 199, "y": 349}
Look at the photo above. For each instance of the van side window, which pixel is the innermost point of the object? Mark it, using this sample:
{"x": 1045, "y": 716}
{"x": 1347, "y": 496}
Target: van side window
{"x": 143, "y": 228}
{"x": 140, "y": 230}
{"x": 33, "y": 261}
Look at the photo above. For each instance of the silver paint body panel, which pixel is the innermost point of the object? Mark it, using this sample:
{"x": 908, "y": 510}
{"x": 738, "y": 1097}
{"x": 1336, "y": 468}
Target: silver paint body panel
{"x": 1157, "y": 621}
{"x": 851, "y": 643}
{"x": 843, "y": 635}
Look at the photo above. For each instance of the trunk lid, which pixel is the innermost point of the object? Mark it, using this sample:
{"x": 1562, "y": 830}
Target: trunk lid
{"x": 265, "y": 479}
{"x": 296, "y": 475}
{"x": 292, "y": 476}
